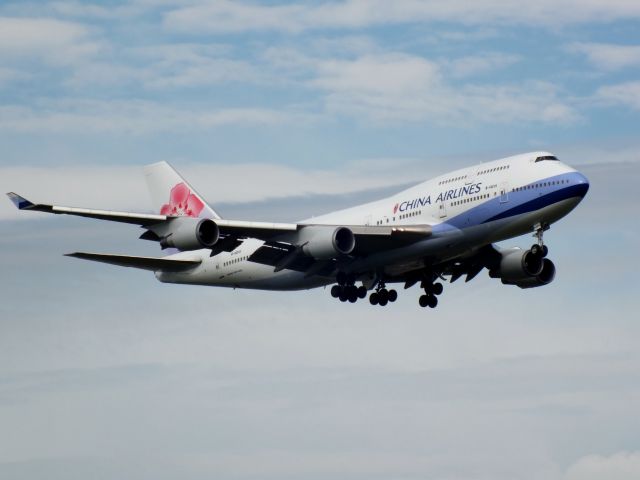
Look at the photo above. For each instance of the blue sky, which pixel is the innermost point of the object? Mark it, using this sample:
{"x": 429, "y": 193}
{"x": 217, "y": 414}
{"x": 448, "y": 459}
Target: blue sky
{"x": 278, "y": 111}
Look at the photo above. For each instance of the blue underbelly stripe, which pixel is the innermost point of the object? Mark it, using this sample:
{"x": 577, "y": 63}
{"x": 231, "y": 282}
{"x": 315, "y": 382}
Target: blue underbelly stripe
{"x": 519, "y": 202}
{"x": 542, "y": 201}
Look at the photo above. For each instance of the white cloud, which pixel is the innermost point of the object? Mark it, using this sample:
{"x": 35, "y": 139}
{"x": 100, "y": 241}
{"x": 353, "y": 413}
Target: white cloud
{"x": 623, "y": 94}
{"x": 227, "y": 17}
{"x": 131, "y": 117}
{"x": 608, "y": 56}
{"x": 479, "y": 64}
{"x": 72, "y": 8}
{"x": 385, "y": 74}
{"x": 392, "y": 87}
{"x": 54, "y": 41}
{"x": 167, "y": 66}
{"x": 619, "y": 466}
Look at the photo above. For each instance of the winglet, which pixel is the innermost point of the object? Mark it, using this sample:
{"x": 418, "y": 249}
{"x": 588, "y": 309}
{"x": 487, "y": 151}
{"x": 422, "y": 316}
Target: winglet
{"x": 20, "y": 202}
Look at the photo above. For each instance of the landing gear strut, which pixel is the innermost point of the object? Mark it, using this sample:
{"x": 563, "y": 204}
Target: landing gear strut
{"x": 540, "y": 248}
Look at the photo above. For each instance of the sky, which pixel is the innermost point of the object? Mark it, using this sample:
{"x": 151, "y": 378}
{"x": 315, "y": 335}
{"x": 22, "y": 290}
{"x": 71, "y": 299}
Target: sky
{"x": 279, "y": 111}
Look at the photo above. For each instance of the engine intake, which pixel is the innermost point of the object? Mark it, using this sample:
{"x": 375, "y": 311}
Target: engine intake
{"x": 186, "y": 233}
{"x": 323, "y": 243}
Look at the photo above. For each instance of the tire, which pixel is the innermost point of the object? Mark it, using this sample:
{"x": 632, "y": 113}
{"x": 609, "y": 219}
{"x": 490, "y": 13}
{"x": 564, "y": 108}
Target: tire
{"x": 343, "y": 297}
{"x": 423, "y": 300}
{"x": 433, "y": 301}
{"x": 437, "y": 288}
{"x": 335, "y": 291}
{"x": 362, "y": 292}
{"x": 545, "y": 250}
{"x": 536, "y": 250}
{"x": 374, "y": 298}
{"x": 353, "y": 297}
{"x": 393, "y": 295}
{"x": 383, "y": 301}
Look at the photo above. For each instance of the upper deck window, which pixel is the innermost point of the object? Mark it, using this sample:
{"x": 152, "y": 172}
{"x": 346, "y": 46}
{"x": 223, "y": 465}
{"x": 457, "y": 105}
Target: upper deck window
{"x": 547, "y": 157}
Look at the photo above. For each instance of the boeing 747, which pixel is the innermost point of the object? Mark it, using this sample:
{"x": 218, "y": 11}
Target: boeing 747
{"x": 442, "y": 229}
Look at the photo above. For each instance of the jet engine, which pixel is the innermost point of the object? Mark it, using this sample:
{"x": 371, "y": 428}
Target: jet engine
{"x": 187, "y": 233}
{"x": 323, "y": 243}
{"x": 526, "y": 269}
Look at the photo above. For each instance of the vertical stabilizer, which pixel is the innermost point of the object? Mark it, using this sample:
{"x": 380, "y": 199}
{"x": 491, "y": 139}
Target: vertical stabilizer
{"x": 172, "y": 195}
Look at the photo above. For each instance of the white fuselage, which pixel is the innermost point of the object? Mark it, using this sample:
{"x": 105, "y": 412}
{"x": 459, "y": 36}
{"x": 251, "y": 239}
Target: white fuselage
{"x": 466, "y": 208}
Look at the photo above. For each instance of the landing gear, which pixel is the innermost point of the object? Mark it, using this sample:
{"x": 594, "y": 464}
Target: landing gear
{"x": 346, "y": 290}
{"x": 540, "y": 248}
{"x": 431, "y": 292}
{"x": 382, "y": 296}
{"x": 427, "y": 300}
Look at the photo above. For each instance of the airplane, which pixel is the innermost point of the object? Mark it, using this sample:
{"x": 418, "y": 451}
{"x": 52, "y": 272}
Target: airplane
{"x": 444, "y": 228}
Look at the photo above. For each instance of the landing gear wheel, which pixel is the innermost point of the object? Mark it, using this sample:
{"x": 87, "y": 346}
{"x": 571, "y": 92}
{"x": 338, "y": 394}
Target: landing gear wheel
{"x": 545, "y": 250}
{"x": 432, "y": 301}
{"x": 382, "y": 301}
{"x": 335, "y": 291}
{"x": 437, "y": 288}
{"x": 374, "y": 298}
{"x": 536, "y": 250}
{"x": 423, "y": 301}
{"x": 383, "y": 295}
{"x": 343, "y": 296}
{"x": 393, "y": 295}
{"x": 362, "y": 291}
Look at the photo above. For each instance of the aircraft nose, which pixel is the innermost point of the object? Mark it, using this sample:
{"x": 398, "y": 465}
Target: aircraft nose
{"x": 581, "y": 184}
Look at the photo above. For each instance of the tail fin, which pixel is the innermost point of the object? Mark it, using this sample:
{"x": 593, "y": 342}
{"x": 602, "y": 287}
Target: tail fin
{"x": 172, "y": 195}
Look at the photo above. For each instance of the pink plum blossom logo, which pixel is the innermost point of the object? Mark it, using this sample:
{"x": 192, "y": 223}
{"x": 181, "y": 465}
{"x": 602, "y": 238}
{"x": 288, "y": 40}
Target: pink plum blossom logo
{"x": 182, "y": 203}
{"x": 395, "y": 208}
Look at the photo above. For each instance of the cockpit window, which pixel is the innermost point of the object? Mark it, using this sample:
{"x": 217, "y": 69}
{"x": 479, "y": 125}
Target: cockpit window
{"x": 547, "y": 157}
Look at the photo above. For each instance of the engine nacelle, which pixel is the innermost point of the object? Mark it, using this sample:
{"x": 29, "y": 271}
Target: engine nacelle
{"x": 517, "y": 264}
{"x": 545, "y": 277}
{"x": 525, "y": 269}
{"x": 187, "y": 233}
{"x": 323, "y": 243}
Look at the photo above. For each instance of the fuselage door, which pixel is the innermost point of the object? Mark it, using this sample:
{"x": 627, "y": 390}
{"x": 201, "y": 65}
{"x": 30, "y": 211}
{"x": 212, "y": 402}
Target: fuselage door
{"x": 504, "y": 192}
{"x": 442, "y": 210}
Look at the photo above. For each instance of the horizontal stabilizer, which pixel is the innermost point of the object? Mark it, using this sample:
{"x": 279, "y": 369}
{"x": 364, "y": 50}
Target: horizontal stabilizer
{"x": 144, "y": 263}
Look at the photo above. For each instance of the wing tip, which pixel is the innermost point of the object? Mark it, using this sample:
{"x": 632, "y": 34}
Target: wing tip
{"x": 20, "y": 202}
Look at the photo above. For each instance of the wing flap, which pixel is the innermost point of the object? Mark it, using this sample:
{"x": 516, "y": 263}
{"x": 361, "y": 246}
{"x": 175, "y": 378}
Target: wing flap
{"x": 144, "y": 263}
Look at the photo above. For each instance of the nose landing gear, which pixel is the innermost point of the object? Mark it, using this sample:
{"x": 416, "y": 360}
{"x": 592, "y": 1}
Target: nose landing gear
{"x": 540, "y": 248}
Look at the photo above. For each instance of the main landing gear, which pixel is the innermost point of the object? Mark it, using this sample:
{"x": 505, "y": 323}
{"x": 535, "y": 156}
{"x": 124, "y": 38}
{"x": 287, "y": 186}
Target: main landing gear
{"x": 346, "y": 289}
{"x": 382, "y": 296}
{"x": 431, "y": 292}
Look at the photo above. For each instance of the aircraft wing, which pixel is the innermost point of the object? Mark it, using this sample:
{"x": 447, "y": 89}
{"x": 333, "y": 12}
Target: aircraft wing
{"x": 368, "y": 238}
{"x": 236, "y": 228}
